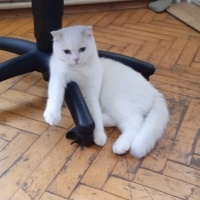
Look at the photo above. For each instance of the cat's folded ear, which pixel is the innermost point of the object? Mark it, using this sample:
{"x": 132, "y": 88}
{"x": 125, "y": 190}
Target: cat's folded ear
{"x": 87, "y": 31}
{"x": 56, "y": 35}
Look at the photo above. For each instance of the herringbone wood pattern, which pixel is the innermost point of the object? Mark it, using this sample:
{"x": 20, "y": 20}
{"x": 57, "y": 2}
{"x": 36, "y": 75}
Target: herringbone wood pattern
{"x": 38, "y": 162}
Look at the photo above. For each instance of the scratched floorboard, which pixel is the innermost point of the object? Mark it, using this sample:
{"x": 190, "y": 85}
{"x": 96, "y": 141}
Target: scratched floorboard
{"x": 37, "y": 162}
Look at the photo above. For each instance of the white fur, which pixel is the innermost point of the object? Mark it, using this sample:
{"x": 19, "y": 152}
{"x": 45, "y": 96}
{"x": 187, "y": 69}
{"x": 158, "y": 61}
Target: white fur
{"x": 115, "y": 94}
{"x": 188, "y": 1}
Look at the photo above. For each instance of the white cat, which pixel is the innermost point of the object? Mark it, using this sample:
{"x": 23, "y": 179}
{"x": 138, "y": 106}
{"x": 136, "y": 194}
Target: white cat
{"x": 115, "y": 94}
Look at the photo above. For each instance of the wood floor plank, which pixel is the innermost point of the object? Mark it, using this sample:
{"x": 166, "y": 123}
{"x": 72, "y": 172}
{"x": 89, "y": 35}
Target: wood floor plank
{"x": 197, "y": 56}
{"x": 13, "y": 179}
{"x": 148, "y": 17}
{"x": 175, "y": 97}
{"x": 155, "y": 34}
{"x": 8, "y": 133}
{"x": 159, "y": 51}
{"x": 195, "y": 65}
{"x": 5, "y": 85}
{"x": 174, "y": 89}
{"x": 130, "y": 190}
{"x": 39, "y": 180}
{"x": 131, "y": 50}
{"x": 197, "y": 148}
{"x": 189, "y": 51}
{"x": 176, "y": 27}
{"x": 21, "y": 194}
{"x": 116, "y": 49}
{"x": 117, "y": 35}
{"x": 136, "y": 16}
{"x": 71, "y": 173}
{"x": 195, "y": 162}
{"x": 123, "y": 17}
{"x": 136, "y": 34}
{"x": 181, "y": 33}
{"x": 27, "y": 82}
{"x": 114, "y": 41}
{"x": 156, "y": 30}
{"x": 34, "y": 113}
{"x": 195, "y": 195}
{"x": 188, "y": 13}
{"x": 173, "y": 54}
{"x": 27, "y": 26}
{"x": 179, "y": 74}
{"x": 14, "y": 24}
{"x": 145, "y": 51}
{"x": 161, "y": 17}
{"x": 50, "y": 196}
{"x": 68, "y": 19}
{"x": 178, "y": 82}
{"x": 21, "y": 109}
{"x": 181, "y": 172}
{"x": 193, "y": 69}
{"x": 157, "y": 159}
{"x": 88, "y": 193}
{"x": 126, "y": 167}
{"x": 108, "y": 19}
{"x": 3, "y": 144}
{"x": 191, "y": 118}
{"x": 171, "y": 20}
{"x": 6, "y": 55}
{"x": 81, "y": 19}
{"x": 14, "y": 149}
{"x": 169, "y": 185}
{"x": 183, "y": 146}
{"x": 177, "y": 113}
{"x": 29, "y": 99}
{"x": 37, "y": 91}
{"x": 92, "y": 21}
{"x": 108, "y": 160}
{"x": 22, "y": 123}
{"x": 103, "y": 46}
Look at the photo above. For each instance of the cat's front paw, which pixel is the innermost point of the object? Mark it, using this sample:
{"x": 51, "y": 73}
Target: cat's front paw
{"x": 100, "y": 138}
{"x": 52, "y": 118}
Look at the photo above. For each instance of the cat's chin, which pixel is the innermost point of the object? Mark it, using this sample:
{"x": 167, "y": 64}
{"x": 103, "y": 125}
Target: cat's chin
{"x": 76, "y": 65}
{"x": 73, "y": 64}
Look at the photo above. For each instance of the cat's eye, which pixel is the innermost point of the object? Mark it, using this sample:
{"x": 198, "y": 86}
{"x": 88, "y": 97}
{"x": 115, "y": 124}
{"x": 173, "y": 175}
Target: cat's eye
{"x": 82, "y": 49}
{"x": 67, "y": 51}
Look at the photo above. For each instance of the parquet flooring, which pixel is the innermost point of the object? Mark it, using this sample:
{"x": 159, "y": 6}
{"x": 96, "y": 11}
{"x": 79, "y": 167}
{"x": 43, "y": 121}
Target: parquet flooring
{"x": 189, "y": 13}
{"x": 38, "y": 162}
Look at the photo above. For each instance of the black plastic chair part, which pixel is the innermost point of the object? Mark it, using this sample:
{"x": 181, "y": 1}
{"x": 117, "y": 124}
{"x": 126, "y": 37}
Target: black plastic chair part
{"x": 83, "y": 132}
{"x": 145, "y": 68}
{"x": 35, "y": 57}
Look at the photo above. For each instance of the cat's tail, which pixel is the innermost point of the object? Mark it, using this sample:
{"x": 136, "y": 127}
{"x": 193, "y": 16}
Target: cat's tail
{"x": 152, "y": 128}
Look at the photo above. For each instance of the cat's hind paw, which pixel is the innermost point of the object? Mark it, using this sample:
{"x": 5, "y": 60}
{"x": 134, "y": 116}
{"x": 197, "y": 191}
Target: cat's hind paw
{"x": 122, "y": 145}
{"x": 52, "y": 118}
{"x": 141, "y": 147}
{"x": 100, "y": 139}
{"x": 120, "y": 148}
{"x": 138, "y": 151}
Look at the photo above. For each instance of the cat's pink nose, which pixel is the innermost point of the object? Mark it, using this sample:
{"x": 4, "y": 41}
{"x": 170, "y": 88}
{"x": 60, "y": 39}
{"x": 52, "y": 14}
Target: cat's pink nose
{"x": 76, "y": 60}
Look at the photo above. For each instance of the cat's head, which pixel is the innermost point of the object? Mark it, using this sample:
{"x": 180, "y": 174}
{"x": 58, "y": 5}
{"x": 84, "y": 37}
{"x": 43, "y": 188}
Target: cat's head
{"x": 75, "y": 45}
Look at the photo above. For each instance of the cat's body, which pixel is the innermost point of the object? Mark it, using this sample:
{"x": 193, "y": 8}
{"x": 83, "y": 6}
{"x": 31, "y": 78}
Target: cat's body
{"x": 115, "y": 94}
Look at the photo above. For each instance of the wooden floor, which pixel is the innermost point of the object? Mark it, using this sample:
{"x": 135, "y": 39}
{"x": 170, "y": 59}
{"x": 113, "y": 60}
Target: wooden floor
{"x": 38, "y": 162}
{"x": 189, "y": 13}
